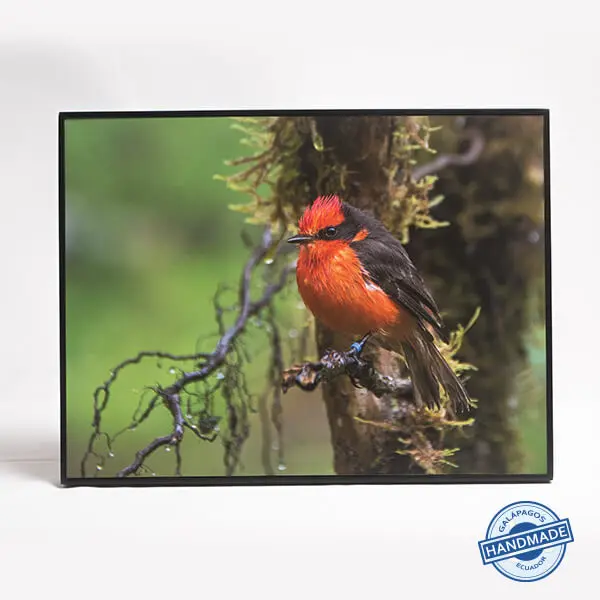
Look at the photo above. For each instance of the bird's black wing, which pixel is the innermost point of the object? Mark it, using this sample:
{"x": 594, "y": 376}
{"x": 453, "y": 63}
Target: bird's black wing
{"x": 389, "y": 267}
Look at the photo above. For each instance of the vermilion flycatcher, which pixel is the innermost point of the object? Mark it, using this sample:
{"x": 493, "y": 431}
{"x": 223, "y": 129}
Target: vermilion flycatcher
{"x": 357, "y": 278}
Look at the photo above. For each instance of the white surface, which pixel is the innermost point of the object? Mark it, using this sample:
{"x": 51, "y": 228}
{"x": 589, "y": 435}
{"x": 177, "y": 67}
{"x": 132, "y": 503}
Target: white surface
{"x": 349, "y": 542}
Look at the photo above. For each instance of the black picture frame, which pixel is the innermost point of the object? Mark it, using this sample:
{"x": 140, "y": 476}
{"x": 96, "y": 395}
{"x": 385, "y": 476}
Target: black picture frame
{"x": 250, "y": 480}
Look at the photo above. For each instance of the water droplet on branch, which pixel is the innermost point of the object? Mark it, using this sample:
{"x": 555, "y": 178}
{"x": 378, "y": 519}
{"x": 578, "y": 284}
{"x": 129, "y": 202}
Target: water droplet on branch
{"x": 282, "y": 467}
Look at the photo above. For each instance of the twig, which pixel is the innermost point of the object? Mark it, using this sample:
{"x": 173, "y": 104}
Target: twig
{"x": 333, "y": 364}
{"x": 173, "y": 403}
{"x": 141, "y": 456}
{"x": 247, "y": 309}
{"x": 444, "y": 161}
{"x": 102, "y": 397}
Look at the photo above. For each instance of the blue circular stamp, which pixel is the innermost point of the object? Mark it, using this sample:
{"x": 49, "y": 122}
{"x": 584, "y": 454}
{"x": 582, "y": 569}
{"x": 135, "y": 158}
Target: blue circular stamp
{"x": 525, "y": 541}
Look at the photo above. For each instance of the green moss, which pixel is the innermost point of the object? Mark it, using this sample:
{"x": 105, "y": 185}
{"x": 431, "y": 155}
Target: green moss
{"x": 278, "y": 175}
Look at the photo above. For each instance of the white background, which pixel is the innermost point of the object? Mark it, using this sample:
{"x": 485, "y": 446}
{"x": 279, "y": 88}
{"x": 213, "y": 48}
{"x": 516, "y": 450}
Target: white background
{"x": 289, "y": 542}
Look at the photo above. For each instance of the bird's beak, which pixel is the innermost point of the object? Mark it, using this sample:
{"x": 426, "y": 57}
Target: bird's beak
{"x": 300, "y": 239}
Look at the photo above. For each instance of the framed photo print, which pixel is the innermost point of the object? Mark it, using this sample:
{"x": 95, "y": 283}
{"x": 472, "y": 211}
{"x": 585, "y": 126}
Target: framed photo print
{"x": 274, "y": 298}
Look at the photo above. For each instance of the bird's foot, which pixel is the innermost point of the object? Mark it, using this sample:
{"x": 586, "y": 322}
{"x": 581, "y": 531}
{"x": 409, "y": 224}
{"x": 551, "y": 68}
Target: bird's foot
{"x": 343, "y": 362}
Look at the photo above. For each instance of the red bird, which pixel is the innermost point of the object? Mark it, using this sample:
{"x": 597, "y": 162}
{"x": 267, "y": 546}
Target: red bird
{"x": 357, "y": 279}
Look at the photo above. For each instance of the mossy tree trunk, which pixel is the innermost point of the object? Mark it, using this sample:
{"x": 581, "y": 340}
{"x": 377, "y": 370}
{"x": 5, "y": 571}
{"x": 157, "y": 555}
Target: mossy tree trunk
{"x": 492, "y": 256}
{"x": 359, "y": 152}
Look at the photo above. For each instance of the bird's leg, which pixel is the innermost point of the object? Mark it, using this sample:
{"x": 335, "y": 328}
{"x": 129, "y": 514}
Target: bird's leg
{"x": 354, "y": 353}
{"x": 356, "y": 348}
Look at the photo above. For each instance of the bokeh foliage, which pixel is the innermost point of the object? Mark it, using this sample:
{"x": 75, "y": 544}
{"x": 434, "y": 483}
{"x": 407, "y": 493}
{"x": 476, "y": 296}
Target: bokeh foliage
{"x": 149, "y": 240}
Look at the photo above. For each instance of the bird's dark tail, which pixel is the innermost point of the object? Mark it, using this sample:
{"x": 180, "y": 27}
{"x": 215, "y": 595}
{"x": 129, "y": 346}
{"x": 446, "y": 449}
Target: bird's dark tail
{"x": 429, "y": 369}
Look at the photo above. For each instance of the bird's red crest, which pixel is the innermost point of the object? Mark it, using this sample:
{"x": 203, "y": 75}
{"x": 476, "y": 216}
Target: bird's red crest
{"x": 325, "y": 211}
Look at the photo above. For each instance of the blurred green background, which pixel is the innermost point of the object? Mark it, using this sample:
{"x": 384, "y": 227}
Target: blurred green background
{"x": 149, "y": 237}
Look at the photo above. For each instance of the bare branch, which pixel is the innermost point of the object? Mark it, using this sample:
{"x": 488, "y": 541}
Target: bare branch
{"x": 141, "y": 456}
{"x": 172, "y": 401}
{"x": 333, "y": 364}
{"x": 208, "y": 364}
{"x": 444, "y": 161}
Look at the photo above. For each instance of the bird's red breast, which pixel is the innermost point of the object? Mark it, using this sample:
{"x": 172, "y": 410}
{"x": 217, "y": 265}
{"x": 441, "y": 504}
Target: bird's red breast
{"x": 334, "y": 287}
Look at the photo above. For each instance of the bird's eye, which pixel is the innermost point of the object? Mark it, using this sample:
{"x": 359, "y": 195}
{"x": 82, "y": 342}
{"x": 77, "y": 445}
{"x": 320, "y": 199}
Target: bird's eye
{"x": 330, "y": 232}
